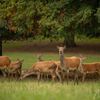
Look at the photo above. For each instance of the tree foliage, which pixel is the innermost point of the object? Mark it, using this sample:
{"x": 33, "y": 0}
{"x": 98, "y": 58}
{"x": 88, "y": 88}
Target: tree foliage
{"x": 51, "y": 17}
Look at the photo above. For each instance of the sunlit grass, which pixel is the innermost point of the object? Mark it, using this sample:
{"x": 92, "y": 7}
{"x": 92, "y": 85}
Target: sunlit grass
{"x": 31, "y": 90}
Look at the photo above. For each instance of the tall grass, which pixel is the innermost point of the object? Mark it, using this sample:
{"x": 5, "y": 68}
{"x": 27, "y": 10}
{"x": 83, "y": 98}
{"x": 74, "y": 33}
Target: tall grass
{"x": 31, "y": 90}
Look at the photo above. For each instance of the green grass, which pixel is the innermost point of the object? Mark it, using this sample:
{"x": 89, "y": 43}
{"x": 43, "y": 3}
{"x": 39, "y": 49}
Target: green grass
{"x": 31, "y": 90}
{"x": 30, "y": 58}
{"x": 79, "y": 40}
{"x": 85, "y": 40}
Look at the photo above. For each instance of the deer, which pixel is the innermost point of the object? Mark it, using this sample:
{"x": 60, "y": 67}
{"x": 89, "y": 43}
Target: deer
{"x": 39, "y": 57}
{"x": 28, "y": 72}
{"x": 15, "y": 68}
{"x": 42, "y": 67}
{"x": 90, "y": 68}
{"x": 48, "y": 67}
{"x": 4, "y": 63}
{"x": 57, "y": 64}
{"x": 69, "y": 64}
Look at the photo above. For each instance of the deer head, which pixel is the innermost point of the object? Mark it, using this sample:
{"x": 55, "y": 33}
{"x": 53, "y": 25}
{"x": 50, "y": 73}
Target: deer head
{"x": 61, "y": 50}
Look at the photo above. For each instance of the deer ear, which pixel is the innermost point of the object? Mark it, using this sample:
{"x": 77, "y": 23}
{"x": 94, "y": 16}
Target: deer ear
{"x": 82, "y": 57}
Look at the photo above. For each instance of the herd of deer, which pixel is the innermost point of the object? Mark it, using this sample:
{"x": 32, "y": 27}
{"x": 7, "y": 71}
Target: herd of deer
{"x": 55, "y": 69}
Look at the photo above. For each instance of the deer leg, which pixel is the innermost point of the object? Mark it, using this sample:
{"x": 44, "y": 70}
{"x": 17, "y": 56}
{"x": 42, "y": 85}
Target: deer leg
{"x": 77, "y": 73}
{"x": 47, "y": 76}
{"x": 83, "y": 77}
{"x": 99, "y": 75}
{"x": 41, "y": 76}
{"x": 38, "y": 77}
{"x": 19, "y": 72}
{"x": 76, "y": 77}
{"x": 53, "y": 77}
{"x": 67, "y": 76}
{"x": 12, "y": 75}
{"x": 58, "y": 75}
{"x": 4, "y": 74}
{"x": 17, "y": 75}
{"x": 9, "y": 76}
{"x": 63, "y": 75}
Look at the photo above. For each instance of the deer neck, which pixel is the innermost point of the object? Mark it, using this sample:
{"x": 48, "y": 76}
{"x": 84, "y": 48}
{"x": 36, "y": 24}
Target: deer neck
{"x": 62, "y": 60}
{"x": 81, "y": 66}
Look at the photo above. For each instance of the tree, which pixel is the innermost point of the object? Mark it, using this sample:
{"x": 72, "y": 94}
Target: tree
{"x": 51, "y": 17}
{"x": 0, "y": 45}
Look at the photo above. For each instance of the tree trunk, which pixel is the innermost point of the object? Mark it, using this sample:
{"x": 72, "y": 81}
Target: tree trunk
{"x": 0, "y": 45}
{"x": 69, "y": 40}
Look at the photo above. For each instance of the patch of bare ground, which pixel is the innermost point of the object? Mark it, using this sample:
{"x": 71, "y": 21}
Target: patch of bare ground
{"x": 51, "y": 48}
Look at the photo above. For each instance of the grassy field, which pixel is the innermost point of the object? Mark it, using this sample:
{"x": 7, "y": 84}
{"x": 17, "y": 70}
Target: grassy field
{"x": 30, "y": 58}
{"x": 28, "y": 50}
{"x": 29, "y": 89}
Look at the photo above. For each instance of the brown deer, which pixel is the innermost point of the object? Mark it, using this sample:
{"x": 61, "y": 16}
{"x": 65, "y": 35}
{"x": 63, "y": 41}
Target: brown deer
{"x": 57, "y": 69}
{"x": 15, "y": 68}
{"x": 90, "y": 68}
{"x": 39, "y": 57}
{"x": 42, "y": 67}
{"x": 4, "y": 63}
{"x": 69, "y": 64}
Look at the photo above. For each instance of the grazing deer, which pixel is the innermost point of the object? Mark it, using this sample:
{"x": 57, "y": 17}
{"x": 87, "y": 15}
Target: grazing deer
{"x": 15, "y": 68}
{"x": 57, "y": 64}
{"x": 48, "y": 67}
{"x": 42, "y": 67}
{"x": 69, "y": 64}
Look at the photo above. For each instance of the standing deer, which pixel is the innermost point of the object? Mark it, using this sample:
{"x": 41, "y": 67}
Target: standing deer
{"x": 69, "y": 64}
{"x": 57, "y": 67}
{"x": 91, "y": 68}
